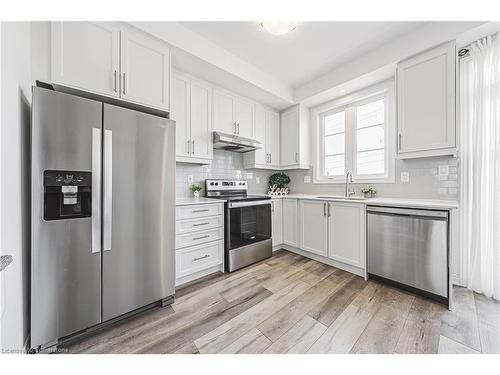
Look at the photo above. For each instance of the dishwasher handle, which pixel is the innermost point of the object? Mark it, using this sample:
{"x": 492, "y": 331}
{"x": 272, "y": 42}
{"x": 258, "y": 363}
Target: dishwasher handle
{"x": 406, "y": 212}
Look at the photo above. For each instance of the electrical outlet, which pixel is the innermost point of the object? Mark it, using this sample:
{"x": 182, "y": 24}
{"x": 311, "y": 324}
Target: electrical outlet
{"x": 405, "y": 176}
{"x": 443, "y": 170}
{"x": 190, "y": 179}
{"x": 249, "y": 175}
{"x": 257, "y": 180}
{"x": 307, "y": 179}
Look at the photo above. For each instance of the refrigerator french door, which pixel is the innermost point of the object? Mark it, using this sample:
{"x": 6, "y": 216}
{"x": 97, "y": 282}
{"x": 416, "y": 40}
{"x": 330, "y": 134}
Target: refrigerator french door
{"x": 102, "y": 204}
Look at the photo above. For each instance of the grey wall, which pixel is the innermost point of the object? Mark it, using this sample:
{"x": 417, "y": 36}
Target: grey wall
{"x": 424, "y": 181}
{"x": 15, "y": 178}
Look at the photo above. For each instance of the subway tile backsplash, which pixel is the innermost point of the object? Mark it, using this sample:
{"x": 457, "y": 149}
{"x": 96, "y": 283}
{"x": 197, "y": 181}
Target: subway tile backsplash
{"x": 225, "y": 164}
{"x": 425, "y": 181}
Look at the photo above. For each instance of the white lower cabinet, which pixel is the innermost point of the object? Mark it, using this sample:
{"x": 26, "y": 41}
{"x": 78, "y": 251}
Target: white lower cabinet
{"x": 290, "y": 222}
{"x": 332, "y": 232}
{"x": 277, "y": 221}
{"x": 199, "y": 241}
{"x": 346, "y": 233}
{"x": 313, "y": 226}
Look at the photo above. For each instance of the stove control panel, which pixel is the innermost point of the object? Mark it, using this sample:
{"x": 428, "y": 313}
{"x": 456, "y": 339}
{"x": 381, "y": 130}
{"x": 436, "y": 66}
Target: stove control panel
{"x": 225, "y": 185}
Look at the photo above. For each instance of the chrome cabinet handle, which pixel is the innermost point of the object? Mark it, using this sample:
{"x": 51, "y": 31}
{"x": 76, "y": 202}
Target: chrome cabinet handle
{"x": 238, "y": 128}
{"x": 328, "y": 204}
{"x": 296, "y": 157}
{"x": 270, "y": 158}
{"x": 399, "y": 141}
{"x": 96, "y": 190}
{"x": 192, "y": 142}
{"x": 188, "y": 147}
{"x": 201, "y": 237}
{"x": 204, "y": 210}
{"x": 200, "y": 258}
{"x": 234, "y": 127}
{"x": 115, "y": 87}
{"x": 108, "y": 189}
{"x": 200, "y": 224}
{"x": 124, "y": 93}
{"x": 324, "y": 209}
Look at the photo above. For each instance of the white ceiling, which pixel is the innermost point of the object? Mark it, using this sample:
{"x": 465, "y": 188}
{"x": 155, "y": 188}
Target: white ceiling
{"x": 308, "y": 52}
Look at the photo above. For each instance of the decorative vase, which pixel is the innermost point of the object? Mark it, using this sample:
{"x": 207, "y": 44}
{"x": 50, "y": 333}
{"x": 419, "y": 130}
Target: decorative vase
{"x": 368, "y": 194}
{"x": 196, "y": 194}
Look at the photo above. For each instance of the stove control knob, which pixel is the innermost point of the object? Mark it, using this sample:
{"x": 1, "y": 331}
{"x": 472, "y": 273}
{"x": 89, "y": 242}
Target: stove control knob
{"x": 212, "y": 184}
{"x": 216, "y": 184}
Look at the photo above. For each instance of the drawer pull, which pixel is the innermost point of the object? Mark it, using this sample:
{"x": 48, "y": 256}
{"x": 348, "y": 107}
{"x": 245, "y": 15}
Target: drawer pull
{"x": 200, "y": 224}
{"x": 201, "y": 237}
{"x": 204, "y": 210}
{"x": 200, "y": 258}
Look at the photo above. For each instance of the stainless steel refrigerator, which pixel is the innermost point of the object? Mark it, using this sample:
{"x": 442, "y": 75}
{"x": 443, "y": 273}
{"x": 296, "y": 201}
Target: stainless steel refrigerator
{"x": 103, "y": 213}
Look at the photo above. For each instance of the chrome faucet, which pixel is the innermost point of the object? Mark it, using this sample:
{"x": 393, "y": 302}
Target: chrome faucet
{"x": 348, "y": 189}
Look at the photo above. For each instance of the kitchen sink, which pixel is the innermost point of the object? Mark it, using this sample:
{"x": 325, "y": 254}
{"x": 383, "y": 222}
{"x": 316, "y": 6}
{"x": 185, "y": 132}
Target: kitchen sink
{"x": 341, "y": 197}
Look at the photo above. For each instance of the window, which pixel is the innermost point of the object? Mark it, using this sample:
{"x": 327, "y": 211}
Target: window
{"x": 355, "y": 133}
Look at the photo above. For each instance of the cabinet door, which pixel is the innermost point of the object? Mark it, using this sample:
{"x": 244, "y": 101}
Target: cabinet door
{"x": 86, "y": 55}
{"x": 145, "y": 68}
{"x": 346, "y": 233}
{"x": 223, "y": 112}
{"x": 201, "y": 120}
{"x": 277, "y": 207}
{"x": 273, "y": 138}
{"x": 426, "y": 100}
{"x": 244, "y": 118}
{"x": 290, "y": 222}
{"x": 313, "y": 226}
{"x": 261, "y": 156}
{"x": 290, "y": 138}
{"x": 180, "y": 113}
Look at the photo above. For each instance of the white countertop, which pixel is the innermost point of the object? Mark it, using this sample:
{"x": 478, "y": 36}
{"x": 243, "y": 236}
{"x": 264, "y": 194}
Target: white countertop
{"x": 399, "y": 202}
{"x": 201, "y": 200}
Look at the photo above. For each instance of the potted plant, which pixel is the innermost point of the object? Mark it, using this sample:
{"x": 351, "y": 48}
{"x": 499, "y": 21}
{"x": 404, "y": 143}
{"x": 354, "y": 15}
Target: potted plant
{"x": 369, "y": 191}
{"x": 277, "y": 184}
{"x": 196, "y": 190}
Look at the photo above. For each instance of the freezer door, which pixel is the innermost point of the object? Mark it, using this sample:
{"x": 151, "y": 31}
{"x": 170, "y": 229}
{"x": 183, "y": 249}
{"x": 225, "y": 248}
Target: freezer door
{"x": 65, "y": 253}
{"x": 139, "y": 210}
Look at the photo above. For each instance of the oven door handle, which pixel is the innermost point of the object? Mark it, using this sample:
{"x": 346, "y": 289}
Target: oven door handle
{"x": 250, "y": 203}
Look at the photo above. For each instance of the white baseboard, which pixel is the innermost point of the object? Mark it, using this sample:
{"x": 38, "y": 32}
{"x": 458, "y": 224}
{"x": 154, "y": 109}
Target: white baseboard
{"x": 343, "y": 266}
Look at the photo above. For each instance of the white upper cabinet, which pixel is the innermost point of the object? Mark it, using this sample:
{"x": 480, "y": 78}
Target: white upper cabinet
{"x": 244, "y": 117}
{"x": 201, "y": 120}
{"x": 426, "y": 103}
{"x": 233, "y": 114}
{"x": 223, "y": 112}
{"x": 145, "y": 68}
{"x": 86, "y": 56}
{"x": 110, "y": 59}
{"x": 267, "y": 131}
{"x": 192, "y": 112}
{"x": 290, "y": 222}
{"x": 277, "y": 221}
{"x": 295, "y": 139}
{"x": 313, "y": 226}
{"x": 346, "y": 233}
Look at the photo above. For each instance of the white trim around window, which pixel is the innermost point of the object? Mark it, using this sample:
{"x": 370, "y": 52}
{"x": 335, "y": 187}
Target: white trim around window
{"x": 346, "y": 107}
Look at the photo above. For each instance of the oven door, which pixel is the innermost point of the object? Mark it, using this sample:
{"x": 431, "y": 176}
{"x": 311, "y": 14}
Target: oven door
{"x": 248, "y": 223}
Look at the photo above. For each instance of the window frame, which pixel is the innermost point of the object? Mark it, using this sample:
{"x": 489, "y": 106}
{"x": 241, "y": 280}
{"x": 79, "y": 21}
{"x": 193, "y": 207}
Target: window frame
{"x": 348, "y": 103}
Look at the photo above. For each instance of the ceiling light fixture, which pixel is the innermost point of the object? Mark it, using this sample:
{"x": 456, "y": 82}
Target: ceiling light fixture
{"x": 277, "y": 27}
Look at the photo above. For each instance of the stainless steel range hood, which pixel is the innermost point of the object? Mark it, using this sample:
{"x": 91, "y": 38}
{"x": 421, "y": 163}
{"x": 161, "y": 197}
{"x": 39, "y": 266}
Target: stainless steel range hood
{"x": 232, "y": 142}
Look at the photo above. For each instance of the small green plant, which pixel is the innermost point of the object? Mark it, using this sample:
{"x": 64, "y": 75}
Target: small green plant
{"x": 194, "y": 188}
{"x": 279, "y": 179}
{"x": 369, "y": 190}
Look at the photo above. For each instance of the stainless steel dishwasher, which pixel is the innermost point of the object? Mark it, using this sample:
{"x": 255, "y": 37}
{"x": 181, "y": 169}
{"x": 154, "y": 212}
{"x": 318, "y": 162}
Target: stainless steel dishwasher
{"x": 409, "y": 248}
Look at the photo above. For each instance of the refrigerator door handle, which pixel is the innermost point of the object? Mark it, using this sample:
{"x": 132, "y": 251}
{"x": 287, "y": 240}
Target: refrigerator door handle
{"x": 96, "y": 190}
{"x": 108, "y": 188}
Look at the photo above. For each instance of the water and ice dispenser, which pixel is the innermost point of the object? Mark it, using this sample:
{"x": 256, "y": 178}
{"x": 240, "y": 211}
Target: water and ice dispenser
{"x": 67, "y": 194}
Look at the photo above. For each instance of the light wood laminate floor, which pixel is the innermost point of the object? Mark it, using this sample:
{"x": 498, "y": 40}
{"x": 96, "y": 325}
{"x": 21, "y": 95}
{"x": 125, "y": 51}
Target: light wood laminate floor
{"x": 291, "y": 304}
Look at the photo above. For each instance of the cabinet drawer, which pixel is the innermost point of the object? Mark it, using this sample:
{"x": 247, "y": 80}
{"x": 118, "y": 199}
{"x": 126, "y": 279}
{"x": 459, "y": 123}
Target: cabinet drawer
{"x": 190, "y": 239}
{"x": 197, "y": 258}
{"x": 198, "y": 210}
{"x": 193, "y": 225}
